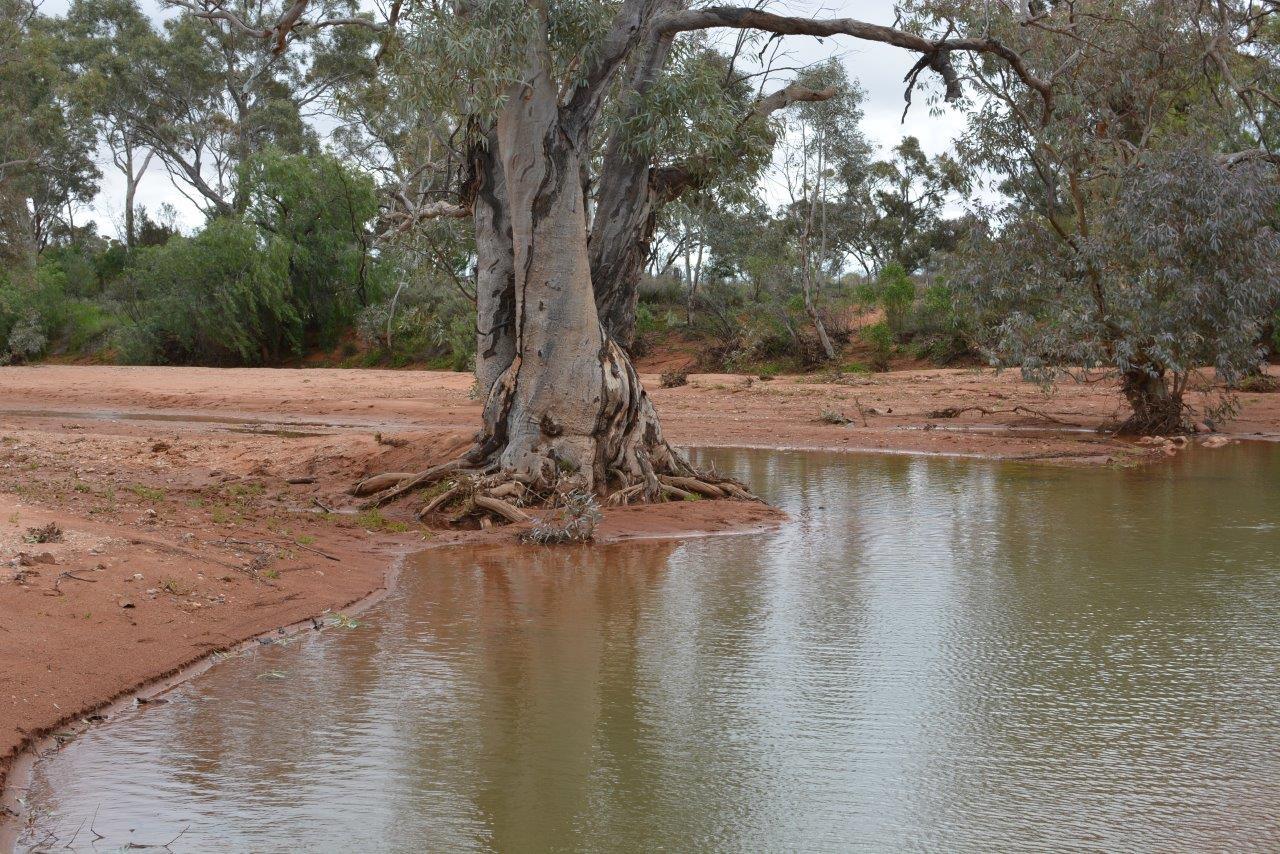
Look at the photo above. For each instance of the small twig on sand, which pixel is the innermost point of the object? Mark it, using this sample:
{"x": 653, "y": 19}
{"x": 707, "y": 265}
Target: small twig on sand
{"x": 70, "y": 573}
{"x": 317, "y": 502}
{"x": 289, "y": 544}
{"x": 861, "y": 413}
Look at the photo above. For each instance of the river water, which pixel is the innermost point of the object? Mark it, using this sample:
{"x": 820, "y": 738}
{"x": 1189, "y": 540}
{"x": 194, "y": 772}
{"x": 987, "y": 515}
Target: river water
{"x": 934, "y": 655}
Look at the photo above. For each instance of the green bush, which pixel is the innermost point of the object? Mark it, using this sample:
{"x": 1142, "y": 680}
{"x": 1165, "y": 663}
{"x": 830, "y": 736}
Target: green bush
{"x": 432, "y": 324}
{"x": 217, "y": 297}
{"x": 880, "y": 339}
{"x": 312, "y": 212}
{"x": 897, "y": 293}
{"x": 87, "y": 327}
{"x": 938, "y": 330}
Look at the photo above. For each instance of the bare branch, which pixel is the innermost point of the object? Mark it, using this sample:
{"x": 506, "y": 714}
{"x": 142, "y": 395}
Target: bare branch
{"x": 212, "y": 10}
{"x": 936, "y": 51}
{"x": 1248, "y": 156}
{"x": 787, "y": 96}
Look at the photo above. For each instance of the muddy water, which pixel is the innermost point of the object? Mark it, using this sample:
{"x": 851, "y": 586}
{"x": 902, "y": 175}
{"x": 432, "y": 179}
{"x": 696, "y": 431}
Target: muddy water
{"x": 934, "y": 655}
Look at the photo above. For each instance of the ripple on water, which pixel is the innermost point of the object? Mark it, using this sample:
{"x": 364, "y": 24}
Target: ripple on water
{"x": 934, "y": 655}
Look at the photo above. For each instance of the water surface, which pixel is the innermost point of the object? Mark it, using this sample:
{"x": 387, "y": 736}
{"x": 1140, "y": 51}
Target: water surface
{"x": 934, "y": 655}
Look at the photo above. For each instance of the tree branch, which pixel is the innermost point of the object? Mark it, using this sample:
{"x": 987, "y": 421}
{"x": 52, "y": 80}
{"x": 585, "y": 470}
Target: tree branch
{"x": 212, "y": 10}
{"x": 670, "y": 182}
{"x": 936, "y": 51}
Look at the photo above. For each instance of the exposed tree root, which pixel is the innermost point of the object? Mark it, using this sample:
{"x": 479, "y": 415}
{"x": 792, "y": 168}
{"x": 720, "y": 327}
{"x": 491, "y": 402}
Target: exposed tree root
{"x": 527, "y": 456}
{"x": 379, "y": 482}
{"x": 478, "y": 497}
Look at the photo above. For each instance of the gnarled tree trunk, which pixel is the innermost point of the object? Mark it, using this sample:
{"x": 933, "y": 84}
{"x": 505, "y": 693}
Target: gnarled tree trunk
{"x": 1157, "y": 409}
{"x": 570, "y": 402}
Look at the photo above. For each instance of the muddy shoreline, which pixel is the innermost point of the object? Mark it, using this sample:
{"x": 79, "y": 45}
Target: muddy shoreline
{"x": 202, "y": 509}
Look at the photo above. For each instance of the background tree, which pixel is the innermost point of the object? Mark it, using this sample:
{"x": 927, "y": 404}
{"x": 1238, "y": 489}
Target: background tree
{"x": 1148, "y": 94}
{"x": 104, "y": 42}
{"x": 823, "y": 151}
{"x": 894, "y": 210}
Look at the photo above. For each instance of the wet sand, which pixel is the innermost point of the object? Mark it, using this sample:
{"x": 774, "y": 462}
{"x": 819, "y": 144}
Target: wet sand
{"x": 201, "y": 508}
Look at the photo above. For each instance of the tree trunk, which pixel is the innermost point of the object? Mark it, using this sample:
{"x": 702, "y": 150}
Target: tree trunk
{"x": 132, "y": 180}
{"x": 807, "y": 276}
{"x": 570, "y": 403}
{"x": 1157, "y": 410}
{"x": 130, "y": 189}
{"x": 495, "y": 268}
{"x": 626, "y": 211}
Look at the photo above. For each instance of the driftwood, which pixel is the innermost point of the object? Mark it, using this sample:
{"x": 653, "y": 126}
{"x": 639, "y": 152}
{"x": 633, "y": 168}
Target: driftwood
{"x": 691, "y": 484}
{"x": 956, "y": 411}
{"x": 496, "y": 505}
{"x": 379, "y": 482}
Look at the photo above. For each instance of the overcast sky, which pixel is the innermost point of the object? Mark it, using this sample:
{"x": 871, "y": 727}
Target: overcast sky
{"x": 879, "y": 69}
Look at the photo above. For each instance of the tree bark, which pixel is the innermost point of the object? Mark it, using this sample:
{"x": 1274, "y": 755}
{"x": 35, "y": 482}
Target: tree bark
{"x": 570, "y": 403}
{"x": 1157, "y": 409}
{"x": 495, "y": 267}
{"x": 626, "y": 210}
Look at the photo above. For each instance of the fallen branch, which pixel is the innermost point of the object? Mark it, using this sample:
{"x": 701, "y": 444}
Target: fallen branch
{"x": 379, "y": 482}
{"x": 956, "y": 411}
{"x": 496, "y": 505}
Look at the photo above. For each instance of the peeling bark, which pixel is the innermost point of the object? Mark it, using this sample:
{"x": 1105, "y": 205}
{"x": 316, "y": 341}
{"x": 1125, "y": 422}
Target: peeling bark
{"x": 570, "y": 403}
{"x": 495, "y": 268}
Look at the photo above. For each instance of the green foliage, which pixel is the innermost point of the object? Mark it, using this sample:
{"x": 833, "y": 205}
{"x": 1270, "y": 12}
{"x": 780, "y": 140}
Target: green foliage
{"x": 940, "y": 329}
{"x": 879, "y": 337}
{"x": 1181, "y": 270}
{"x": 426, "y": 320}
{"x": 896, "y": 295}
{"x": 313, "y": 212}
{"x": 218, "y": 297}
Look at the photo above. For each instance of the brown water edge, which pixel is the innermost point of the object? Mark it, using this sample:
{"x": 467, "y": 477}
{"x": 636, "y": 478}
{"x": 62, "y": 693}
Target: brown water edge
{"x": 18, "y": 778}
{"x": 933, "y": 653}
{"x": 651, "y": 523}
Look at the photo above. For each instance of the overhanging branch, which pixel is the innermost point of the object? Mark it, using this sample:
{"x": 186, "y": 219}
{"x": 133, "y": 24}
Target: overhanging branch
{"x": 212, "y": 10}
{"x": 935, "y": 52}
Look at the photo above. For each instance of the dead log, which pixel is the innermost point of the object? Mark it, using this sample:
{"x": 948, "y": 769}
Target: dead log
{"x": 497, "y": 506}
{"x": 379, "y": 482}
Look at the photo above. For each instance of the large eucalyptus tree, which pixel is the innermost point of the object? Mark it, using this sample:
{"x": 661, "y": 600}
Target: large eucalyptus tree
{"x": 528, "y": 84}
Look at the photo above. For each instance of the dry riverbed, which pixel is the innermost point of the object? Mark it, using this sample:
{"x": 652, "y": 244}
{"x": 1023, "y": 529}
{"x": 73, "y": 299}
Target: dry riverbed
{"x": 150, "y": 517}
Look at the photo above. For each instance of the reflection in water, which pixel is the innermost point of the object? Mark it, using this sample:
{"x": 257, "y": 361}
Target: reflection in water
{"x": 938, "y": 655}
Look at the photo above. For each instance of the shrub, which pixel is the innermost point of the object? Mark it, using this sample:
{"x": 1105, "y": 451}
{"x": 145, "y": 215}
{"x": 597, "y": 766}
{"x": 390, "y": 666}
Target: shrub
{"x": 880, "y": 339}
{"x": 26, "y": 338}
{"x": 896, "y": 294}
{"x": 674, "y": 379}
{"x": 215, "y": 298}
